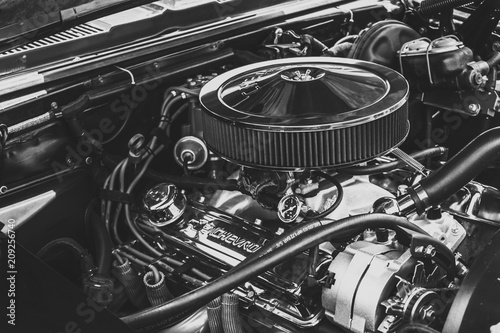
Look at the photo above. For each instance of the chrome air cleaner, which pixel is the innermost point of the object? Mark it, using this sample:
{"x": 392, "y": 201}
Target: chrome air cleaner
{"x": 305, "y": 113}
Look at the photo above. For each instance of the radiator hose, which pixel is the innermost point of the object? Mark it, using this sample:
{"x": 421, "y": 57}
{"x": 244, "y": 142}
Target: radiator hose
{"x": 459, "y": 170}
{"x": 146, "y": 320}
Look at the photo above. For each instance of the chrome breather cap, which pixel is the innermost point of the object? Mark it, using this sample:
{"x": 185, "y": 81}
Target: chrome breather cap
{"x": 164, "y": 204}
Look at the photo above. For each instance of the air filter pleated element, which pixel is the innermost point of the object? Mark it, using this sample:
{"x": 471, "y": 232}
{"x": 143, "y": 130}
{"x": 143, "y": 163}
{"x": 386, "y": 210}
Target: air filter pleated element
{"x": 307, "y": 113}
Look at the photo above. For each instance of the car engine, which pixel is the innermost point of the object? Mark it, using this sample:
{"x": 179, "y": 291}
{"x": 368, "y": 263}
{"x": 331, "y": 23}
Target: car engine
{"x": 320, "y": 167}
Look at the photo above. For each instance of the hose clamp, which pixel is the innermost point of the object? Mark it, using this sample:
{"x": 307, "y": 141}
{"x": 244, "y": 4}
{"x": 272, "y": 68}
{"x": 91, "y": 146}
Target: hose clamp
{"x": 420, "y": 197}
{"x": 416, "y": 200}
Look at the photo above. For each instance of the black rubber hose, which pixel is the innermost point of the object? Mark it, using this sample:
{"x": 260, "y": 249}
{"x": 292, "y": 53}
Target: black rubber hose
{"x": 463, "y": 167}
{"x": 278, "y": 242}
{"x": 494, "y": 60}
{"x": 145, "y": 320}
{"x": 340, "y": 50}
{"x": 338, "y": 200}
{"x": 103, "y": 245}
{"x": 416, "y": 328}
{"x": 431, "y": 7}
{"x": 231, "y": 313}
{"x": 86, "y": 261}
{"x": 386, "y": 167}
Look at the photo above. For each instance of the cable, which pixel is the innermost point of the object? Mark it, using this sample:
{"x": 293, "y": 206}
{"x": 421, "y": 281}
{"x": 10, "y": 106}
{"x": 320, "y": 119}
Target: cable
{"x": 146, "y": 319}
{"x": 179, "y": 111}
{"x": 386, "y": 167}
{"x": 169, "y": 260}
{"x": 128, "y": 217}
{"x": 119, "y": 207}
{"x": 164, "y": 119}
{"x": 108, "y": 203}
{"x": 338, "y": 200}
{"x": 118, "y": 258}
{"x": 156, "y": 273}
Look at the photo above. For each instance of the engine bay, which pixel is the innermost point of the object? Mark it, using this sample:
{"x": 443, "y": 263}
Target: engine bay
{"x": 331, "y": 167}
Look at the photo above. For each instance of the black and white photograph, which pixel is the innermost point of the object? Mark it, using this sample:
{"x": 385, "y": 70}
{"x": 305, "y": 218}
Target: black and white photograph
{"x": 248, "y": 166}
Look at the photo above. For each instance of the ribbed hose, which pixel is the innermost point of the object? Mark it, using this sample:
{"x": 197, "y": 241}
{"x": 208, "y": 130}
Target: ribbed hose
{"x": 231, "y": 313}
{"x": 494, "y": 60}
{"x": 430, "y": 7}
{"x": 147, "y": 320}
{"x": 134, "y": 288}
{"x": 86, "y": 261}
{"x": 157, "y": 292}
{"x": 214, "y": 312}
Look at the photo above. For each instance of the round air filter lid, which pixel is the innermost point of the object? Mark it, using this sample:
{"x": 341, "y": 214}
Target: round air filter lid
{"x": 310, "y": 99}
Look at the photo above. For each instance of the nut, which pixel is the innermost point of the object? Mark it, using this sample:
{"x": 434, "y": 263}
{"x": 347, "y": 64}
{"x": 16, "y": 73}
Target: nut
{"x": 430, "y": 251}
{"x": 474, "y": 108}
{"x": 428, "y": 314}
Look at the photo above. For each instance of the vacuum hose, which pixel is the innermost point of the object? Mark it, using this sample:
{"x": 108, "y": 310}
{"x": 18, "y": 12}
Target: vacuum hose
{"x": 146, "y": 320}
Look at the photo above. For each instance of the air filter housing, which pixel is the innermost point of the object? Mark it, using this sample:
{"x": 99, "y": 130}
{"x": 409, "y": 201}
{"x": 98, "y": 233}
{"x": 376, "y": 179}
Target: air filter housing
{"x": 305, "y": 113}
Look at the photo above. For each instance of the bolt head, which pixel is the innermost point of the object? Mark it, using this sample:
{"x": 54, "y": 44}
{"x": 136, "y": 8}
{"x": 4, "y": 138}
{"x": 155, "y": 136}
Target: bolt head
{"x": 474, "y": 108}
{"x": 430, "y": 251}
{"x": 3, "y": 189}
